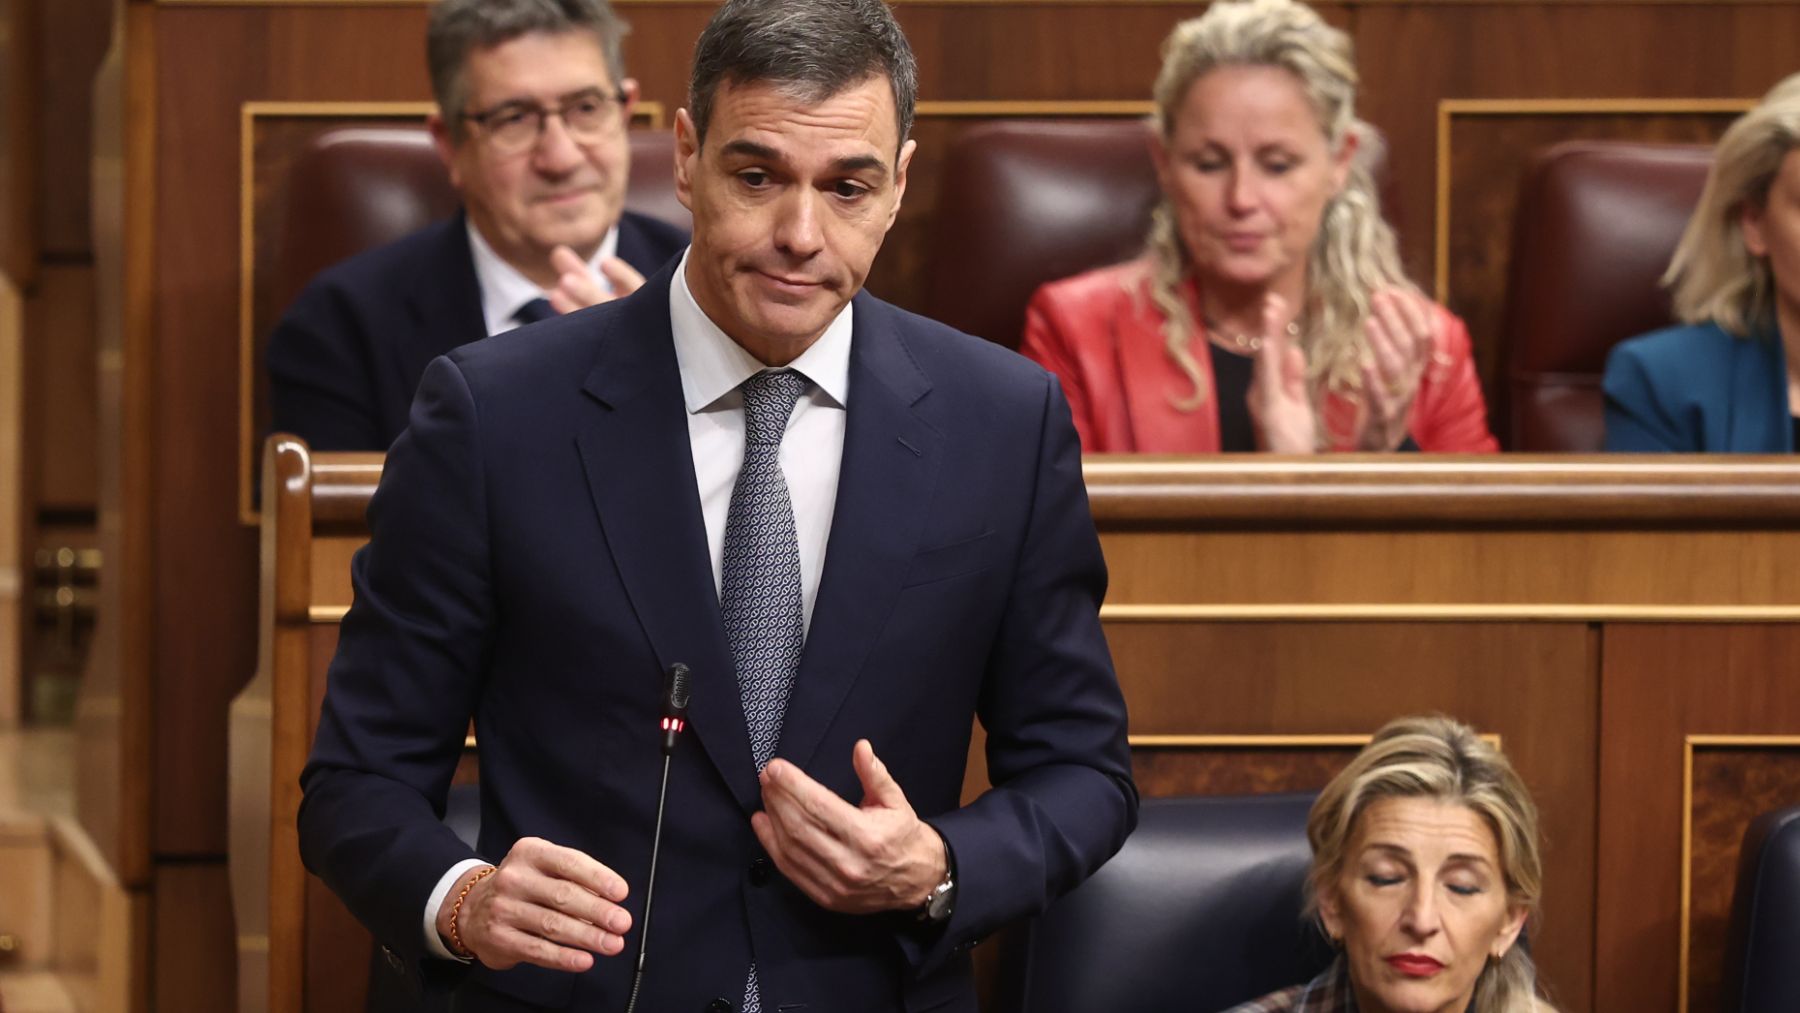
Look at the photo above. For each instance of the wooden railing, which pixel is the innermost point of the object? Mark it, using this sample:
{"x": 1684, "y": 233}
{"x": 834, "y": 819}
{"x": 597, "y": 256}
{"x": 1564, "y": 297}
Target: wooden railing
{"x": 1628, "y": 629}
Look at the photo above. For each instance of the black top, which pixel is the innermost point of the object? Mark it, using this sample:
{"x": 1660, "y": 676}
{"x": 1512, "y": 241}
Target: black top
{"x": 1231, "y": 385}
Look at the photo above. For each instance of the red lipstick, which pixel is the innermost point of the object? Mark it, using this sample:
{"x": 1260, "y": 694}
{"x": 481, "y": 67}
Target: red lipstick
{"x": 1415, "y": 965}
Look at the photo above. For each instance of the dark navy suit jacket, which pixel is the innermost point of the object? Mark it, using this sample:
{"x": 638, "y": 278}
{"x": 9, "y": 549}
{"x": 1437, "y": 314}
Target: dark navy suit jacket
{"x": 1696, "y": 389}
{"x": 538, "y": 557}
{"x": 345, "y": 359}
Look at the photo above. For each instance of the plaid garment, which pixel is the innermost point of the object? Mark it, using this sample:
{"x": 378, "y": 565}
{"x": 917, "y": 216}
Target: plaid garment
{"x": 1330, "y": 992}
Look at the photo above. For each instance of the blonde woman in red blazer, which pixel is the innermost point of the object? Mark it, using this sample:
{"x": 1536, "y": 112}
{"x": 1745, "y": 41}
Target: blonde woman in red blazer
{"x": 1269, "y": 311}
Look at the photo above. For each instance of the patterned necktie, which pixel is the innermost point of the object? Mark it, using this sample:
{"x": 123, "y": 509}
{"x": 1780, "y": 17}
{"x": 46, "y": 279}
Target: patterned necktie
{"x": 535, "y": 310}
{"x": 760, "y": 577}
{"x": 765, "y": 621}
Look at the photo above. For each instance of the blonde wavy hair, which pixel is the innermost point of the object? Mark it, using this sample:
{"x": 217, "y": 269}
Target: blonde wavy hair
{"x": 1354, "y": 254}
{"x": 1437, "y": 758}
{"x": 1713, "y": 275}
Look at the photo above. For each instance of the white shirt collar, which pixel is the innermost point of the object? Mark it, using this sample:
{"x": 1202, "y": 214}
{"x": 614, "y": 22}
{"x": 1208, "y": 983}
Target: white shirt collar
{"x": 504, "y": 289}
{"x": 714, "y": 366}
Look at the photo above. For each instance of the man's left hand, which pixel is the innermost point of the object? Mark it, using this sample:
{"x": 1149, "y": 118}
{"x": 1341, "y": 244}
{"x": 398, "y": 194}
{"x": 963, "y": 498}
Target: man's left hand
{"x": 878, "y": 856}
{"x": 577, "y": 288}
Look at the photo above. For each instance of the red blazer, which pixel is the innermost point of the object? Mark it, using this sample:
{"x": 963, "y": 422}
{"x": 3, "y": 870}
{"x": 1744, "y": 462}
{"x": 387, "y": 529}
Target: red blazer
{"x": 1101, "y": 334}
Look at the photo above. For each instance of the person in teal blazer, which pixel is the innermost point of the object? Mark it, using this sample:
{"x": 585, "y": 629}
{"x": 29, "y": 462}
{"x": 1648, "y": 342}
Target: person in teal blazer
{"x": 1725, "y": 381}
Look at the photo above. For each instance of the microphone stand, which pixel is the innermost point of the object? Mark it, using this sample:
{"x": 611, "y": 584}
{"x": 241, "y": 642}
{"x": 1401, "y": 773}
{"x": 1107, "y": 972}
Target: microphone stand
{"x": 674, "y": 720}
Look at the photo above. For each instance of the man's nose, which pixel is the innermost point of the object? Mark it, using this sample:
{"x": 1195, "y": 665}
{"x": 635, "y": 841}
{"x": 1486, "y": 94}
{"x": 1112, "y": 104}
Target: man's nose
{"x": 798, "y": 231}
{"x": 556, "y": 153}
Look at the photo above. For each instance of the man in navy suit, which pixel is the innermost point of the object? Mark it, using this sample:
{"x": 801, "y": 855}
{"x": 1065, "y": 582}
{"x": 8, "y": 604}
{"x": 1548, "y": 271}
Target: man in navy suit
{"x": 859, "y": 529}
{"x": 531, "y": 124}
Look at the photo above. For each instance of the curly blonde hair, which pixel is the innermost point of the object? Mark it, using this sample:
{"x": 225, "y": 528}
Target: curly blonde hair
{"x": 1713, "y": 275}
{"x": 1355, "y": 253}
{"x": 1437, "y": 758}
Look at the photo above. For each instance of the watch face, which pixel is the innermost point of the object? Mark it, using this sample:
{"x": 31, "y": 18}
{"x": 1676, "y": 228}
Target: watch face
{"x": 942, "y": 901}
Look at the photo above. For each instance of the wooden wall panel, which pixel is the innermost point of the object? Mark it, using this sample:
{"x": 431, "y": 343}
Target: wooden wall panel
{"x": 62, "y": 390}
{"x": 191, "y": 928}
{"x": 1658, "y": 684}
{"x": 72, "y": 35}
{"x": 1278, "y": 765}
{"x": 1413, "y": 55}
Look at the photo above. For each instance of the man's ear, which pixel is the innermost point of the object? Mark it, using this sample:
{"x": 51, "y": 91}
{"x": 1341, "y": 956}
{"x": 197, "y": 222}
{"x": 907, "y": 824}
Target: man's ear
{"x": 900, "y": 166}
{"x": 444, "y": 144}
{"x": 1750, "y": 220}
{"x": 687, "y": 158}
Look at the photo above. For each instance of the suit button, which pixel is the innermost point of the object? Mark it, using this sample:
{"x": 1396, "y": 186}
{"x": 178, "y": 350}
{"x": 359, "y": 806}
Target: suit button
{"x": 759, "y": 872}
{"x": 718, "y": 1006}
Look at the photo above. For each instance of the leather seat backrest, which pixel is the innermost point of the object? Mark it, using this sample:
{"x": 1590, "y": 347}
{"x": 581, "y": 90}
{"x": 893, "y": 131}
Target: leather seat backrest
{"x": 1596, "y": 224}
{"x": 1024, "y": 202}
{"x": 1200, "y": 910}
{"x": 1761, "y": 970}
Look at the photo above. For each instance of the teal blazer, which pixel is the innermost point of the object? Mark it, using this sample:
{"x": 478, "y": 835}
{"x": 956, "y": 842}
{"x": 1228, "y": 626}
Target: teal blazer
{"x": 1696, "y": 389}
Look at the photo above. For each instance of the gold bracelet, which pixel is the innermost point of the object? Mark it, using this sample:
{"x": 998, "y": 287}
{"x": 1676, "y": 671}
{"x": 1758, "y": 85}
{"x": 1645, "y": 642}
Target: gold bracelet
{"x": 456, "y": 943}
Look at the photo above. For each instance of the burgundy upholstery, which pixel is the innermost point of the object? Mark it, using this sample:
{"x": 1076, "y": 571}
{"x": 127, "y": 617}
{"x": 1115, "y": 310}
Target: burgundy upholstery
{"x": 1030, "y": 201}
{"x": 1596, "y": 224}
{"x": 359, "y": 187}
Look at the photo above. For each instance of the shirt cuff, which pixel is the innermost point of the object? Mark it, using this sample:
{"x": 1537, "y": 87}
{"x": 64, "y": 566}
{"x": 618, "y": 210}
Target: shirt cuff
{"x": 434, "y": 943}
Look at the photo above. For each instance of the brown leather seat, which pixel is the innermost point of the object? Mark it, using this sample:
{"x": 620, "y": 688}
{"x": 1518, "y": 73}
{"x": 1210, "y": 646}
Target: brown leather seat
{"x": 1031, "y": 201}
{"x": 1596, "y": 225}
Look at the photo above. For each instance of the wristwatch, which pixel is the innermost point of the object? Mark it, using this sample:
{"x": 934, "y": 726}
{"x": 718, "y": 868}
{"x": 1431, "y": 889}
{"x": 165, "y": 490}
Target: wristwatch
{"x": 941, "y": 901}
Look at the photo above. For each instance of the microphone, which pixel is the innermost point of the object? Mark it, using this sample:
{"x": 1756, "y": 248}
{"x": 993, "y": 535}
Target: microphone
{"x": 675, "y": 694}
{"x": 674, "y": 705}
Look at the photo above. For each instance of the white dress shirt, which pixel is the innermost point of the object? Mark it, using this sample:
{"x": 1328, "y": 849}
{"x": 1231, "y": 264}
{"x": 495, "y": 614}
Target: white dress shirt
{"x": 713, "y": 370}
{"x": 504, "y": 289}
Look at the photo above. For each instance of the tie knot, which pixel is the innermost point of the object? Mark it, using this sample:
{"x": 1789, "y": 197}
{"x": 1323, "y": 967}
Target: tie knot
{"x": 769, "y": 398}
{"x": 535, "y": 310}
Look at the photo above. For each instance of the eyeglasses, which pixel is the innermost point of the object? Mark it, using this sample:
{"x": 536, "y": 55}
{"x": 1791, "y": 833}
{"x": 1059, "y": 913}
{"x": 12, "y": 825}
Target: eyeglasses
{"x": 589, "y": 116}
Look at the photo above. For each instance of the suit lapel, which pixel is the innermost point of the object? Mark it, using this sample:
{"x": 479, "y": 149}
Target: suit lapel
{"x": 1759, "y": 416}
{"x": 640, "y": 471}
{"x": 890, "y": 463}
{"x": 445, "y": 297}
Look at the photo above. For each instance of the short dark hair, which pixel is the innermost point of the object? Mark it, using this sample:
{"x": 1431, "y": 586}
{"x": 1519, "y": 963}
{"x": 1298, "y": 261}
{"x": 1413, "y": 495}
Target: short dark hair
{"x": 458, "y": 27}
{"x": 811, "y": 48}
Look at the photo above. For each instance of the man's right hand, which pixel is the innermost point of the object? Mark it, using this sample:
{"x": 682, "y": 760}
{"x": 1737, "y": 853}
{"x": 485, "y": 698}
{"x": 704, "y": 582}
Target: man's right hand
{"x": 545, "y": 905}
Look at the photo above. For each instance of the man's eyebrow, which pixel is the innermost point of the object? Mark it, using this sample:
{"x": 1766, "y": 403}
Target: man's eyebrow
{"x": 760, "y": 152}
{"x": 861, "y": 163}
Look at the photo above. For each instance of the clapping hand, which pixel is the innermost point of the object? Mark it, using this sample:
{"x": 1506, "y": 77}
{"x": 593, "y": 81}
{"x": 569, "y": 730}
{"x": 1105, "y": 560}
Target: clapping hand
{"x": 1402, "y": 332}
{"x": 1279, "y": 402}
{"x": 576, "y": 286}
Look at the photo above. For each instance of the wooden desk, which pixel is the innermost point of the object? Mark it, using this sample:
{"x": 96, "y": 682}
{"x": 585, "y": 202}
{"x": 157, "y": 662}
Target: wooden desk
{"x": 1625, "y": 626}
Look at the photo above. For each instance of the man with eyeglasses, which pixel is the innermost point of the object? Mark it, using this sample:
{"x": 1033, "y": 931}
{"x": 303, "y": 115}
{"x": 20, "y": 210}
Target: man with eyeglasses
{"x": 533, "y": 109}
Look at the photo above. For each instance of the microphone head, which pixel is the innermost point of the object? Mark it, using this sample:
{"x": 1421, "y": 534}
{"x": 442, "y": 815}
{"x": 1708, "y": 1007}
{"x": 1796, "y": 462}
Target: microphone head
{"x": 676, "y": 690}
{"x": 674, "y": 705}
